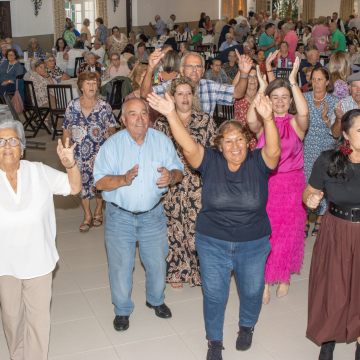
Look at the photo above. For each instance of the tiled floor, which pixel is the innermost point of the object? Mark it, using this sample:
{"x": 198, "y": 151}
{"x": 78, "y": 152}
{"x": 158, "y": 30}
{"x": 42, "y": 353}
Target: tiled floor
{"x": 82, "y": 313}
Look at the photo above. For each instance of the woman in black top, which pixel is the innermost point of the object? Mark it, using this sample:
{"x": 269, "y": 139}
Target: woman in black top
{"x": 202, "y": 21}
{"x": 232, "y": 228}
{"x": 334, "y": 291}
{"x": 229, "y": 28}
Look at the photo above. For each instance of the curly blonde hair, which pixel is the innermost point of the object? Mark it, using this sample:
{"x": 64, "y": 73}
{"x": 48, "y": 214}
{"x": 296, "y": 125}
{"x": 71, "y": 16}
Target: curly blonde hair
{"x": 171, "y": 89}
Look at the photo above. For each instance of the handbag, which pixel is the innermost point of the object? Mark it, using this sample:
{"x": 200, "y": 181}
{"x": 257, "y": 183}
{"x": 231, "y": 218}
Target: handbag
{"x": 17, "y": 101}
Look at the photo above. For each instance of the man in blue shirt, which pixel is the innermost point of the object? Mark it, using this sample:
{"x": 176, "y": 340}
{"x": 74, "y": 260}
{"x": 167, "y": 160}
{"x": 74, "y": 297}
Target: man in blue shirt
{"x": 158, "y": 27}
{"x": 15, "y": 47}
{"x": 134, "y": 168}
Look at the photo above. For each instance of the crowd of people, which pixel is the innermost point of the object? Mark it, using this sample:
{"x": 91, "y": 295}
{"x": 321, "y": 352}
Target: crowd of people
{"x": 201, "y": 197}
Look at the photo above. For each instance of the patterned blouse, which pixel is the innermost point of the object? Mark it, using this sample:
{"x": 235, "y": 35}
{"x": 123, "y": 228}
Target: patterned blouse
{"x": 230, "y": 71}
{"x": 241, "y": 107}
{"x": 158, "y": 78}
{"x": 57, "y": 72}
{"x": 103, "y": 33}
{"x": 70, "y": 38}
{"x": 341, "y": 89}
{"x": 85, "y": 66}
{"x": 40, "y": 87}
{"x": 118, "y": 45}
{"x": 40, "y": 51}
{"x": 65, "y": 51}
{"x": 221, "y": 79}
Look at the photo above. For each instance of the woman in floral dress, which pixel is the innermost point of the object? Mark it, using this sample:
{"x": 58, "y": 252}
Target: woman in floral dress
{"x": 182, "y": 202}
{"x": 88, "y": 121}
{"x": 318, "y": 137}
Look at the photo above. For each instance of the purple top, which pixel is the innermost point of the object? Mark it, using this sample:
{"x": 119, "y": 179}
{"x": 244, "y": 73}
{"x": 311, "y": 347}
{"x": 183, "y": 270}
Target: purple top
{"x": 341, "y": 89}
{"x": 292, "y": 157}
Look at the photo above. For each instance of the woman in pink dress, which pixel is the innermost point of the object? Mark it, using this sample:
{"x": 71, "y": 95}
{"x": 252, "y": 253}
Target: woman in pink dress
{"x": 320, "y": 33}
{"x": 286, "y": 184}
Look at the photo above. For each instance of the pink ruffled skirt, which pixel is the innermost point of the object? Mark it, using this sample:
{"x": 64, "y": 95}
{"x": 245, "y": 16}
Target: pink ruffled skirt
{"x": 287, "y": 216}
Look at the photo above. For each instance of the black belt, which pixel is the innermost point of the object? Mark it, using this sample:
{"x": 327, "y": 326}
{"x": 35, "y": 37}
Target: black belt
{"x": 342, "y": 212}
{"x": 136, "y": 212}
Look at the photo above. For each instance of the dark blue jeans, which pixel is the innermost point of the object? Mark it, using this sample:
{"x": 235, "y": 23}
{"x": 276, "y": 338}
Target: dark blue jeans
{"x": 217, "y": 259}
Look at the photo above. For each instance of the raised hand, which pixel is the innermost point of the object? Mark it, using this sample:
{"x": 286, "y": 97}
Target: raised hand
{"x": 245, "y": 63}
{"x": 163, "y": 106}
{"x": 324, "y": 111}
{"x": 66, "y": 153}
{"x": 271, "y": 57}
{"x": 130, "y": 175}
{"x": 165, "y": 178}
{"x": 155, "y": 58}
{"x": 313, "y": 200}
{"x": 264, "y": 107}
{"x": 261, "y": 78}
{"x": 338, "y": 112}
{"x": 292, "y": 77}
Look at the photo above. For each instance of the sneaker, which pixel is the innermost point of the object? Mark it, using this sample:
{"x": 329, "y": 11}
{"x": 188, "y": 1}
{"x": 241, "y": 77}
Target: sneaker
{"x": 357, "y": 353}
{"x": 214, "y": 351}
{"x": 244, "y": 339}
{"x": 327, "y": 350}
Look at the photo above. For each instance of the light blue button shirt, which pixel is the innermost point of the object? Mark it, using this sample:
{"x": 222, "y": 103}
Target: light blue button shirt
{"x": 18, "y": 49}
{"x": 120, "y": 153}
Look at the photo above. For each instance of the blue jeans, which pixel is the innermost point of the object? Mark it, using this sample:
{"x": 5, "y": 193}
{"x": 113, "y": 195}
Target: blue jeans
{"x": 122, "y": 231}
{"x": 217, "y": 259}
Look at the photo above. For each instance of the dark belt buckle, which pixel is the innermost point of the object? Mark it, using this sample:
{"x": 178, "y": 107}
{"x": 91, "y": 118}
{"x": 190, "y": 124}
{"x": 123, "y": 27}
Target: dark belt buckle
{"x": 355, "y": 215}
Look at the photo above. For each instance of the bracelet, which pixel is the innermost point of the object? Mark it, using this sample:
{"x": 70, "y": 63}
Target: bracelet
{"x": 326, "y": 121}
{"x": 268, "y": 120}
{"x": 172, "y": 178}
{"x": 242, "y": 77}
{"x": 295, "y": 84}
{"x": 269, "y": 71}
{"x": 72, "y": 166}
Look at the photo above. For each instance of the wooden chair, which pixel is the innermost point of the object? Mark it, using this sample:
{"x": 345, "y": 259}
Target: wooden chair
{"x": 58, "y": 108}
{"x": 225, "y": 113}
{"x": 2, "y": 99}
{"x": 285, "y": 73}
{"x": 198, "y": 43}
{"x": 34, "y": 115}
{"x": 205, "y": 48}
{"x": 116, "y": 99}
{"x": 78, "y": 62}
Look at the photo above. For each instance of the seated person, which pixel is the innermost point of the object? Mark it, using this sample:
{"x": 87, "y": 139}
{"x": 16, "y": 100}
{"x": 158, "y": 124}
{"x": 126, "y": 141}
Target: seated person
{"x": 75, "y": 52}
{"x": 231, "y": 67}
{"x": 83, "y": 38}
{"x": 4, "y": 48}
{"x": 184, "y": 49}
{"x": 32, "y": 69}
{"x": 242, "y": 30}
{"x": 300, "y": 51}
{"x": 307, "y": 71}
{"x": 9, "y": 70}
{"x": 35, "y": 47}
{"x": 354, "y": 55}
{"x": 171, "y": 68}
{"x": 228, "y": 43}
{"x": 62, "y": 46}
{"x": 14, "y": 46}
{"x": 216, "y": 73}
{"x": 90, "y": 63}
{"x": 171, "y": 41}
{"x": 196, "y": 37}
{"x": 127, "y": 53}
{"x": 54, "y": 71}
{"x": 142, "y": 39}
{"x": 284, "y": 52}
{"x": 141, "y": 52}
{"x": 98, "y": 51}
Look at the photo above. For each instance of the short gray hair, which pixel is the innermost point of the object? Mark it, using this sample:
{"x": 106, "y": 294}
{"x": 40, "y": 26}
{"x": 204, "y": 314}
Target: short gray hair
{"x": 33, "y": 61}
{"x": 69, "y": 25}
{"x": 249, "y": 44}
{"x": 83, "y": 34}
{"x": 131, "y": 62}
{"x": 33, "y": 39}
{"x": 7, "y": 46}
{"x": 88, "y": 55}
{"x": 97, "y": 40}
{"x": 287, "y": 26}
{"x": 141, "y": 31}
{"x": 128, "y": 100}
{"x": 17, "y": 126}
{"x": 224, "y": 17}
{"x": 86, "y": 21}
{"x": 192, "y": 54}
{"x": 228, "y": 36}
{"x": 47, "y": 57}
{"x": 38, "y": 63}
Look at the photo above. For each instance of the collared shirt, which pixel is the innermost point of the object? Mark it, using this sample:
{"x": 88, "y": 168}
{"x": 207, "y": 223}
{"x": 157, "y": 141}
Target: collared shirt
{"x": 18, "y": 49}
{"x": 266, "y": 40}
{"x": 225, "y": 45}
{"x": 160, "y": 26}
{"x": 210, "y": 92}
{"x": 121, "y": 153}
{"x": 347, "y": 104}
{"x": 170, "y": 24}
{"x": 292, "y": 40}
{"x": 340, "y": 37}
{"x": 240, "y": 18}
{"x": 243, "y": 31}
{"x": 222, "y": 77}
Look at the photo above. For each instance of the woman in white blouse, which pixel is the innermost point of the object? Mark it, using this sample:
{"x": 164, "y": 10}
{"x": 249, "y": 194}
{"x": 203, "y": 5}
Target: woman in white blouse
{"x": 28, "y": 253}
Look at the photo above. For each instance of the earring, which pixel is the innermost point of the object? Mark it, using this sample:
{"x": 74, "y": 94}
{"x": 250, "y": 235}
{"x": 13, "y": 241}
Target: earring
{"x": 346, "y": 150}
{"x": 22, "y": 155}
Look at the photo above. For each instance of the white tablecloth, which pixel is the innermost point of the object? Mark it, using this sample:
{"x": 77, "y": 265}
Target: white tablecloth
{"x": 208, "y": 39}
{"x": 26, "y": 64}
{"x": 157, "y": 45}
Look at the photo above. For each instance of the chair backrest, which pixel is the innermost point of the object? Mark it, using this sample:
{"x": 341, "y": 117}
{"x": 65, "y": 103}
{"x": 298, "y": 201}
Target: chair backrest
{"x": 203, "y": 47}
{"x": 198, "y": 43}
{"x": 18, "y": 77}
{"x": 222, "y": 113}
{"x": 283, "y": 72}
{"x": 150, "y": 49}
{"x": 116, "y": 99}
{"x": 29, "y": 96}
{"x": 228, "y": 112}
{"x": 78, "y": 62}
{"x": 11, "y": 107}
{"x": 2, "y": 99}
{"x": 63, "y": 95}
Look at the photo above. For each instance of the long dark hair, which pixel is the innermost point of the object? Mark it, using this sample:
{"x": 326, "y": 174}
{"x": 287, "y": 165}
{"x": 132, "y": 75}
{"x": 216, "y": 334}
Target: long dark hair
{"x": 57, "y": 44}
{"x": 339, "y": 166}
{"x": 129, "y": 48}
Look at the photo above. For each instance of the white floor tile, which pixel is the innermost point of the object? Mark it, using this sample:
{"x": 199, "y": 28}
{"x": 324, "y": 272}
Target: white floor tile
{"x": 64, "y": 282}
{"x": 77, "y": 239}
{"x": 297, "y": 297}
{"x": 102, "y": 354}
{"x": 92, "y": 277}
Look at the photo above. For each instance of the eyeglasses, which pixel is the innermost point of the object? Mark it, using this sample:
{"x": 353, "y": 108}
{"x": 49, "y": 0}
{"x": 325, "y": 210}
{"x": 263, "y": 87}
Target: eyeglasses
{"x": 12, "y": 142}
{"x": 252, "y": 76}
{"x": 191, "y": 67}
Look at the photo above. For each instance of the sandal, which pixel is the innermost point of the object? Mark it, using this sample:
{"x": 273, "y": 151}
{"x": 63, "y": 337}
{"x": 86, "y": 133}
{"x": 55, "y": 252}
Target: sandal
{"x": 315, "y": 231}
{"x": 178, "y": 285}
{"x": 99, "y": 219}
{"x": 85, "y": 226}
{"x": 307, "y": 230}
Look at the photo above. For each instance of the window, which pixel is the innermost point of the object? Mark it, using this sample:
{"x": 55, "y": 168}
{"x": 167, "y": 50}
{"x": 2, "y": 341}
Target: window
{"x": 78, "y": 10}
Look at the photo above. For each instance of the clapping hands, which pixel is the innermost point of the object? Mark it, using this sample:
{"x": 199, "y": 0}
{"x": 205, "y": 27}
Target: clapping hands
{"x": 261, "y": 78}
{"x": 264, "y": 107}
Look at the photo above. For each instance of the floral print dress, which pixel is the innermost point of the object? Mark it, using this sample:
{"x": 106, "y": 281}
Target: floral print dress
{"x": 341, "y": 89}
{"x": 317, "y": 139}
{"x": 182, "y": 203}
{"x": 89, "y": 134}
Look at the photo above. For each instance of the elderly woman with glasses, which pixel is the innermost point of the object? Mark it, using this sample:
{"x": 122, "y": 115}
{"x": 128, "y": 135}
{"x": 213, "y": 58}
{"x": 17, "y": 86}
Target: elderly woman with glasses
{"x": 69, "y": 35}
{"x": 54, "y": 71}
{"x": 182, "y": 202}
{"x": 28, "y": 252}
{"x": 9, "y": 70}
{"x": 89, "y": 64}
{"x": 88, "y": 122}
{"x": 35, "y": 47}
{"x": 231, "y": 68}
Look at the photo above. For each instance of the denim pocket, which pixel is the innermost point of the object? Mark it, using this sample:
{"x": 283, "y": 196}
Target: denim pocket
{"x": 157, "y": 212}
{"x": 111, "y": 210}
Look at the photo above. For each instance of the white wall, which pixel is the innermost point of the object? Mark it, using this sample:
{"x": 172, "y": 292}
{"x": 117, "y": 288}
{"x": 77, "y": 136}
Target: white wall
{"x": 251, "y": 6}
{"x": 25, "y": 23}
{"x": 117, "y": 18}
{"x": 326, "y": 8}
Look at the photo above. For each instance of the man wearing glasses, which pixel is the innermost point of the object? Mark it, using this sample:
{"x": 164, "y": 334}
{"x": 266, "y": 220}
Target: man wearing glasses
{"x": 193, "y": 66}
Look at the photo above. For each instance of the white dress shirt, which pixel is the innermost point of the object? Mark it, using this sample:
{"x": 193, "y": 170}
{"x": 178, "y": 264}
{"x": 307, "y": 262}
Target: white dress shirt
{"x": 28, "y": 225}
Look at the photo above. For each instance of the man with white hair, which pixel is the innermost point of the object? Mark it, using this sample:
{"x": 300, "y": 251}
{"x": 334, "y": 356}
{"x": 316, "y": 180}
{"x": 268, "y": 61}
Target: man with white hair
{"x": 4, "y": 48}
{"x": 158, "y": 27}
{"x": 274, "y": 20}
{"x": 242, "y": 30}
{"x": 291, "y": 38}
{"x": 218, "y": 28}
{"x": 99, "y": 51}
{"x": 241, "y": 18}
{"x": 15, "y": 47}
{"x": 171, "y": 22}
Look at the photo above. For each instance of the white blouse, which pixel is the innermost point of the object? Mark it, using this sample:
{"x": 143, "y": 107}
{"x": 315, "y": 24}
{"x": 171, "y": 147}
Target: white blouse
{"x": 28, "y": 225}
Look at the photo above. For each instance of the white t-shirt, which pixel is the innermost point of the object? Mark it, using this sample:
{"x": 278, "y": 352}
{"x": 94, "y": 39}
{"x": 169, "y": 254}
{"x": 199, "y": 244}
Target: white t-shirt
{"x": 99, "y": 52}
{"x": 74, "y": 53}
{"x": 239, "y": 19}
{"x": 28, "y": 225}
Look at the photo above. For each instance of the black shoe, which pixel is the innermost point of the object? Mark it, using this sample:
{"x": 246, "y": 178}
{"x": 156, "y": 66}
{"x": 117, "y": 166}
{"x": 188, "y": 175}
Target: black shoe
{"x": 357, "y": 353}
{"x": 161, "y": 311}
{"x": 214, "y": 351}
{"x": 244, "y": 339}
{"x": 121, "y": 323}
{"x": 327, "y": 350}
